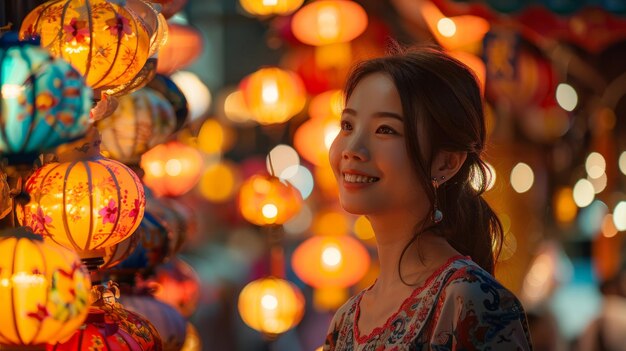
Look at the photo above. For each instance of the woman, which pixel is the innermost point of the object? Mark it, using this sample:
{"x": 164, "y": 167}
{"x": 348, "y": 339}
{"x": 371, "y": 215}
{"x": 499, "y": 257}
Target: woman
{"x": 408, "y": 157}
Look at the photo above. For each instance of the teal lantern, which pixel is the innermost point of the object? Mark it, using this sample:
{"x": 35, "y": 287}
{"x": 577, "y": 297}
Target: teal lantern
{"x": 44, "y": 101}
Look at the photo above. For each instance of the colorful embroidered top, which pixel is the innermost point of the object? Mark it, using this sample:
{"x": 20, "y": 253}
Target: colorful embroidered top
{"x": 459, "y": 307}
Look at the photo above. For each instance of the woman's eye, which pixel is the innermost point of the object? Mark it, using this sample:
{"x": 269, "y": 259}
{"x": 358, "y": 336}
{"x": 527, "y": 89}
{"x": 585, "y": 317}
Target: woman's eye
{"x": 385, "y": 130}
{"x": 345, "y": 125}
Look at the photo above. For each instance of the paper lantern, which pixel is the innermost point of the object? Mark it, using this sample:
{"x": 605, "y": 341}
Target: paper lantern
{"x": 455, "y": 32}
{"x": 111, "y": 327}
{"x": 330, "y": 261}
{"x": 44, "y": 291}
{"x": 271, "y": 305}
{"x": 179, "y": 286}
{"x": 313, "y": 138}
{"x": 85, "y": 205}
{"x": 273, "y": 95}
{"x": 115, "y": 254}
{"x": 171, "y": 169}
{"x": 184, "y": 45}
{"x": 43, "y": 101}
{"x": 170, "y": 324}
{"x": 155, "y": 23}
{"x": 265, "y": 200}
{"x": 265, "y": 8}
{"x": 107, "y": 43}
{"x": 326, "y": 22}
{"x": 142, "y": 120}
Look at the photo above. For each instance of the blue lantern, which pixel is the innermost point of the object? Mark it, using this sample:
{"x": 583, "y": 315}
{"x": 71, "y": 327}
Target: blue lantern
{"x": 44, "y": 101}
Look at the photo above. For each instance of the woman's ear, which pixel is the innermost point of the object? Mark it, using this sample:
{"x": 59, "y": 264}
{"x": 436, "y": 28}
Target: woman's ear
{"x": 446, "y": 164}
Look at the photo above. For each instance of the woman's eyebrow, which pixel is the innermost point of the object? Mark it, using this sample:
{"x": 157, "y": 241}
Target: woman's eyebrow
{"x": 381, "y": 114}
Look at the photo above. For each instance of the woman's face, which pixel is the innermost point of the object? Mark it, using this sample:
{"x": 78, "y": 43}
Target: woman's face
{"x": 369, "y": 157}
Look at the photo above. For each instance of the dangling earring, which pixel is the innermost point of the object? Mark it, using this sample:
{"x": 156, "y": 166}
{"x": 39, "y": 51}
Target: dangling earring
{"x": 437, "y": 214}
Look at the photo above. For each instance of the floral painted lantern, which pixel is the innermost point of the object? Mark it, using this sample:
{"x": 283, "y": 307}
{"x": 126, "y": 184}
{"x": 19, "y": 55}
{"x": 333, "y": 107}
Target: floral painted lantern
{"x": 85, "y": 205}
{"x": 271, "y": 305}
{"x": 142, "y": 120}
{"x": 266, "y": 8}
{"x": 273, "y": 95}
{"x": 43, "y": 101}
{"x": 111, "y": 327}
{"x": 171, "y": 169}
{"x": 44, "y": 291}
{"x": 170, "y": 324}
{"x": 106, "y": 42}
{"x": 179, "y": 286}
{"x": 265, "y": 200}
{"x": 330, "y": 261}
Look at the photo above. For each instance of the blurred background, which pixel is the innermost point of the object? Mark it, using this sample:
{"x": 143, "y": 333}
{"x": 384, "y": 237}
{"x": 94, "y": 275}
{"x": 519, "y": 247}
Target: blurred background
{"x": 263, "y": 77}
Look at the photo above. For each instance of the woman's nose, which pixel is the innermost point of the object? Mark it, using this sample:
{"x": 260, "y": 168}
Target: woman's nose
{"x": 355, "y": 150}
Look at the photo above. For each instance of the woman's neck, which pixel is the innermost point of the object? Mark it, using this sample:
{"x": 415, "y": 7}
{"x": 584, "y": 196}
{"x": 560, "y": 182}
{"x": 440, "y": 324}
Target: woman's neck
{"x": 425, "y": 255}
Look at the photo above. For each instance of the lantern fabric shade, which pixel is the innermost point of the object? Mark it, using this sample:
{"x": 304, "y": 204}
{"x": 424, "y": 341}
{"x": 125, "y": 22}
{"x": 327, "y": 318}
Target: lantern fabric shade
{"x": 265, "y": 200}
{"x": 106, "y": 42}
{"x": 171, "y": 169}
{"x": 326, "y": 22}
{"x": 44, "y": 101}
{"x": 271, "y": 305}
{"x": 44, "y": 290}
{"x": 84, "y": 205}
{"x": 142, "y": 120}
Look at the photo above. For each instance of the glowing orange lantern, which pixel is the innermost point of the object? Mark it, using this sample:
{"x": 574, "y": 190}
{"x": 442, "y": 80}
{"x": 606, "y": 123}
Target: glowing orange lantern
{"x": 171, "y": 169}
{"x": 183, "y": 45}
{"x": 326, "y": 22}
{"x": 179, "y": 286}
{"x": 273, "y": 95}
{"x": 85, "y": 205}
{"x": 314, "y": 137}
{"x": 265, "y": 200}
{"x": 105, "y": 42}
{"x": 454, "y": 32}
{"x": 142, "y": 120}
{"x": 44, "y": 290}
{"x": 328, "y": 104}
{"x": 330, "y": 261}
{"x": 265, "y": 8}
{"x": 271, "y": 305}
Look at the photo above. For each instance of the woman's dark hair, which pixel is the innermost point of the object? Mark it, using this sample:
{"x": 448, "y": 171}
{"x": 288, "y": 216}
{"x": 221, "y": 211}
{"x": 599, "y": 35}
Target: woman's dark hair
{"x": 441, "y": 95}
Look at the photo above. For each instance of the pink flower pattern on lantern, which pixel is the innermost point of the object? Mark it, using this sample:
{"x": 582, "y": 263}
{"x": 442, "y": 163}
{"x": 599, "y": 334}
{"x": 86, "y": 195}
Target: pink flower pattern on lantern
{"x": 119, "y": 25}
{"x": 135, "y": 211}
{"x": 109, "y": 212}
{"x": 40, "y": 221}
{"x": 76, "y": 30}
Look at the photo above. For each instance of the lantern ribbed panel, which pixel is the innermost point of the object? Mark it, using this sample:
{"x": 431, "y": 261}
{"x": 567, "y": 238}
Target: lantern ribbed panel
{"x": 84, "y": 205}
{"x": 142, "y": 120}
{"x": 117, "y": 253}
{"x": 44, "y": 101}
{"x": 44, "y": 292}
{"x": 107, "y": 43}
{"x": 170, "y": 324}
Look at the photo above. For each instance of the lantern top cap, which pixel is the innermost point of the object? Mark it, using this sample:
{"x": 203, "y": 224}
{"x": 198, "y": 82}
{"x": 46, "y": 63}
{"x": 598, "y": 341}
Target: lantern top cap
{"x": 11, "y": 38}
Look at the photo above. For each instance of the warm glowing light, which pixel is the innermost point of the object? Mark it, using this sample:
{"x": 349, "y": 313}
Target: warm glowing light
{"x": 595, "y": 165}
{"x": 271, "y": 305}
{"x": 235, "y": 108}
{"x": 328, "y": 104}
{"x": 179, "y": 168}
{"x": 213, "y": 137}
{"x": 11, "y": 91}
{"x": 446, "y": 27}
{"x": 270, "y": 211}
{"x": 173, "y": 167}
{"x": 622, "y": 162}
{"x": 330, "y": 222}
{"x": 363, "y": 228}
{"x": 270, "y": 7}
{"x": 330, "y": 133}
{"x": 608, "y": 226}
{"x": 584, "y": 193}
{"x": 326, "y": 22}
{"x": 300, "y": 222}
{"x": 490, "y": 173}
{"x": 196, "y": 92}
{"x": 522, "y": 177}
{"x": 565, "y": 209}
{"x": 331, "y": 257}
{"x": 566, "y": 97}
{"x": 300, "y": 177}
{"x": 619, "y": 216}
{"x": 599, "y": 184}
{"x": 219, "y": 182}
{"x": 269, "y": 92}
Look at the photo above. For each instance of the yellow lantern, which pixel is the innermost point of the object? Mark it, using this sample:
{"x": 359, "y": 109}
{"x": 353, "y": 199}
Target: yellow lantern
{"x": 171, "y": 169}
{"x": 266, "y": 8}
{"x": 330, "y": 261}
{"x": 273, "y": 95}
{"x": 271, "y": 305}
{"x": 326, "y": 22}
{"x": 84, "y": 205}
{"x": 192, "y": 340}
{"x": 107, "y": 43}
{"x": 142, "y": 120}
{"x": 44, "y": 291}
{"x": 265, "y": 200}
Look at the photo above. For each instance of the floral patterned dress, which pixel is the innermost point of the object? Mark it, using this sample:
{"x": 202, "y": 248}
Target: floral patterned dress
{"x": 459, "y": 307}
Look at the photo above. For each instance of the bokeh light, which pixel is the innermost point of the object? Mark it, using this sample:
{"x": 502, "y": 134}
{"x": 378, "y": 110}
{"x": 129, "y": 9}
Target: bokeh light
{"x": 522, "y": 177}
{"x": 584, "y": 193}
